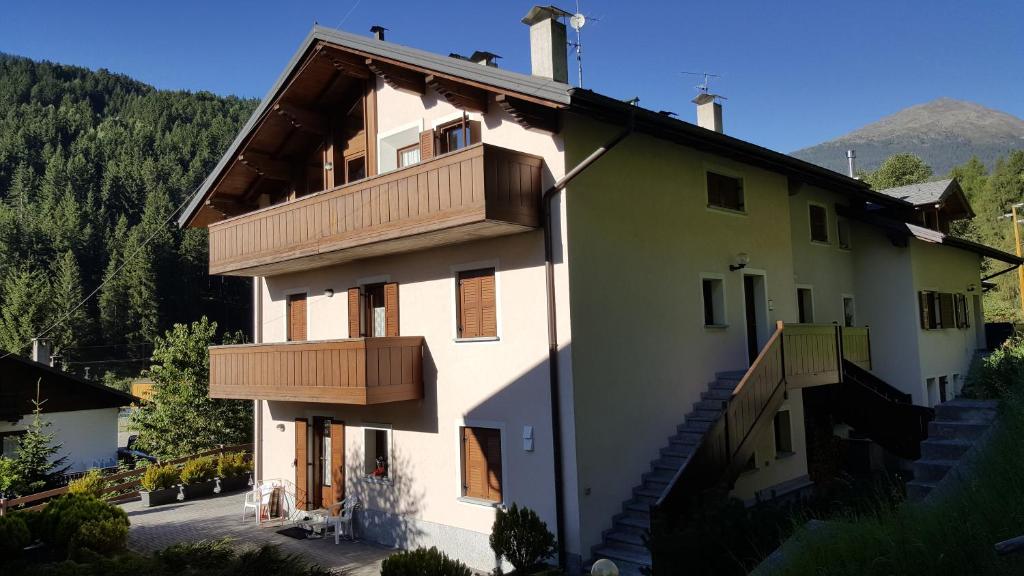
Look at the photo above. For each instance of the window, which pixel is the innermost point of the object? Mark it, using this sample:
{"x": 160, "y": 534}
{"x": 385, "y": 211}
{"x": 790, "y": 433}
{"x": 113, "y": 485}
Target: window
{"x": 783, "y": 434}
{"x": 933, "y": 391}
{"x": 325, "y": 451}
{"x": 481, "y": 463}
{"x": 725, "y": 192}
{"x": 373, "y": 310}
{"x": 943, "y": 384}
{"x": 296, "y": 317}
{"x": 849, "y": 312}
{"x": 477, "y": 315}
{"x": 819, "y": 222}
{"x": 960, "y": 310}
{"x": 843, "y": 233}
{"x": 713, "y": 292}
{"x": 408, "y": 156}
{"x": 956, "y": 385}
{"x": 355, "y": 169}
{"x": 805, "y": 305}
{"x": 375, "y": 313}
{"x": 377, "y": 452}
{"x": 10, "y": 443}
{"x": 937, "y": 310}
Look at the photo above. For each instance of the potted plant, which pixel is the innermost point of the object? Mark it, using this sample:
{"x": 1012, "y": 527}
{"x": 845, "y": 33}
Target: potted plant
{"x": 234, "y": 471}
{"x": 159, "y": 485}
{"x": 197, "y": 475}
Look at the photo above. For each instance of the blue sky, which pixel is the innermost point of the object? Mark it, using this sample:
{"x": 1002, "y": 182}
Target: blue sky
{"x": 795, "y": 73}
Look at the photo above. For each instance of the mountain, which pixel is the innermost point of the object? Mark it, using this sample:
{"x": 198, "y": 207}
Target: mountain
{"x": 944, "y": 132}
{"x": 93, "y": 167}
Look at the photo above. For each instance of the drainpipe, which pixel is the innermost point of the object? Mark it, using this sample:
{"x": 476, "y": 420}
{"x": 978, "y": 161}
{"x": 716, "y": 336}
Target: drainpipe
{"x": 549, "y": 271}
{"x": 257, "y": 338}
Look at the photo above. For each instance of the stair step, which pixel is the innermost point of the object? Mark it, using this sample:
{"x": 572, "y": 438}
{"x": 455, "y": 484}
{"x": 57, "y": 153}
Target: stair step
{"x": 944, "y": 449}
{"x": 727, "y": 385}
{"x": 642, "y": 490}
{"x": 686, "y": 436}
{"x": 932, "y": 470}
{"x": 640, "y": 520}
{"x": 678, "y": 450}
{"x": 969, "y": 430}
{"x": 621, "y": 553}
{"x": 671, "y": 463}
{"x": 716, "y": 394}
{"x": 917, "y": 489}
{"x": 637, "y": 505}
{"x": 649, "y": 500}
{"x": 967, "y": 410}
{"x": 695, "y": 426}
{"x": 716, "y": 405}
{"x": 736, "y": 375}
{"x": 705, "y": 415}
{"x": 659, "y": 478}
{"x": 627, "y": 539}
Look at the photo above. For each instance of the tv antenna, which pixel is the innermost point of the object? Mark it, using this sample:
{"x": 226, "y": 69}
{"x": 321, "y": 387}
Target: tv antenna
{"x": 705, "y": 83}
{"x": 577, "y": 21}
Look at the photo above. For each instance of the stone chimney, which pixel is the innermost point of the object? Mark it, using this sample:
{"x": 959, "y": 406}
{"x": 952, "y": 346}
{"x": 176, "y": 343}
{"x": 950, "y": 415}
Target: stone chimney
{"x": 548, "y": 45}
{"x": 485, "y": 58}
{"x": 377, "y": 31}
{"x": 709, "y": 111}
{"x": 41, "y": 351}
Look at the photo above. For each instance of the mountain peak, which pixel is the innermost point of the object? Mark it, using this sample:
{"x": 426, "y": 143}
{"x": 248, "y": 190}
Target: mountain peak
{"x": 944, "y": 132}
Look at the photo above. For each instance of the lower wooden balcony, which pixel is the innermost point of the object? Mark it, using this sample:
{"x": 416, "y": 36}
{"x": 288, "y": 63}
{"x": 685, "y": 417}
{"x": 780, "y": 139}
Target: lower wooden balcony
{"x": 357, "y": 371}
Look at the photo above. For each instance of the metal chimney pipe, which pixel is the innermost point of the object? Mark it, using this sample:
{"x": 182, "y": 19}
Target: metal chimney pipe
{"x": 378, "y": 31}
{"x": 851, "y": 159}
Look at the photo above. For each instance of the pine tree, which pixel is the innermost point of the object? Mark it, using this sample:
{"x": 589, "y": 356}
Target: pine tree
{"x": 140, "y": 281}
{"x": 75, "y": 326}
{"x": 38, "y": 461}
{"x": 25, "y": 310}
{"x": 113, "y": 301}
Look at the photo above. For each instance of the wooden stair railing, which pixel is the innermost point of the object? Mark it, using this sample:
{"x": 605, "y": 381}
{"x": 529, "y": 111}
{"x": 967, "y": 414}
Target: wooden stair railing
{"x": 883, "y": 413}
{"x": 727, "y": 446}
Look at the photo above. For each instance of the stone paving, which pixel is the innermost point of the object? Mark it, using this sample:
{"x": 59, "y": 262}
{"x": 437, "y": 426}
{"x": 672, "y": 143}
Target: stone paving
{"x": 218, "y": 517}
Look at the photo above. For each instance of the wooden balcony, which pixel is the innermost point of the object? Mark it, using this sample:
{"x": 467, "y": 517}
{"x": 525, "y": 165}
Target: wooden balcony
{"x": 812, "y": 355}
{"x": 477, "y": 192}
{"x": 353, "y": 371}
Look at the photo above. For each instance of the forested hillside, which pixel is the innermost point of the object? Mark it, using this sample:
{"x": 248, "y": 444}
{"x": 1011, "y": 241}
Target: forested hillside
{"x": 91, "y": 165}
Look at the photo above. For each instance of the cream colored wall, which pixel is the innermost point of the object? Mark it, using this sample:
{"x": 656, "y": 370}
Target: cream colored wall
{"x": 827, "y": 268}
{"x": 773, "y": 468}
{"x": 87, "y": 437}
{"x": 944, "y": 269}
{"x": 640, "y": 237}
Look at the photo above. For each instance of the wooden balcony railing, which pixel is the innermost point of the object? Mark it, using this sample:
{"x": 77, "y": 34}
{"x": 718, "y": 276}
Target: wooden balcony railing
{"x": 479, "y": 191}
{"x": 352, "y": 371}
{"x": 812, "y": 355}
{"x": 857, "y": 346}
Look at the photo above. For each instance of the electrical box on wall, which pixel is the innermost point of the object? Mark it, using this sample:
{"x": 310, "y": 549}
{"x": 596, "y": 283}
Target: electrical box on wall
{"x": 528, "y": 438}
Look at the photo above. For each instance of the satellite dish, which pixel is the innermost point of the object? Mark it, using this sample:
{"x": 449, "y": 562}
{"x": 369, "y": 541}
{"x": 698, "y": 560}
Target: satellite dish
{"x": 577, "y": 21}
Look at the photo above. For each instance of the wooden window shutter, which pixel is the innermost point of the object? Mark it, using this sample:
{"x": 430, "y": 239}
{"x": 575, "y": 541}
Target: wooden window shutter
{"x": 391, "y": 309}
{"x": 492, "y": 452}
{"x": 481, "y": 468}
{"x": 338, "y": 460}
{"x": 353, "y": 313}
{"x": 475, "y": 131}
{"x": 301, "y": 461}
{"x": 297, "y": 317}
{"x": 426, "y": 145}
{"x": 925, "y": 309}
{"x": 946, "y": 308}
{"x": 477, "y": 304}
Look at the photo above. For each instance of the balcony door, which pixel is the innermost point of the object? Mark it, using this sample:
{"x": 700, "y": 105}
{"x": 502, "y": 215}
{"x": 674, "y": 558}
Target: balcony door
{"x": 297, "y": 317}
{"x": 320, "y": 477}
{"x": 373, "y": 310}
{"x": 755, "y": 309}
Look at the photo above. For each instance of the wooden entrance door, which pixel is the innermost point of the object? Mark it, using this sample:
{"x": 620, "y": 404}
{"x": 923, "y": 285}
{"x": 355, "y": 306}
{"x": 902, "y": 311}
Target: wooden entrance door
{"x": 327, "y": 485}
{"x": 750, "y": 307}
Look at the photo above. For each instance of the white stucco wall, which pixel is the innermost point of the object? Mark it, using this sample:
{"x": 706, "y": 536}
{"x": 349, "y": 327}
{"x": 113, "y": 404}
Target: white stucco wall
{"x": 825, "y": 268}
{"x": 88, "y": 437}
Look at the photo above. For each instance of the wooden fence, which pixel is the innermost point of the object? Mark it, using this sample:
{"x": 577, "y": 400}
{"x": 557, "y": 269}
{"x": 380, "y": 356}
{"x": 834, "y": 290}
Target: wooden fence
{"x": 121, "y": 487}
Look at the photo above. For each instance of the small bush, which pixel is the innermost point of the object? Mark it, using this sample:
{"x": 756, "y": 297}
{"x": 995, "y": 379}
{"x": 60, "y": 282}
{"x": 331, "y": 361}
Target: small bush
{"x": 994, "y": 375}
{"x": 202, "y": 556}
{"x": 158, "y": 477}
{"x": 520, "y": 536}
{"x": 104, "y": 537}
{"x": 198, "y": 470}
{"x": 422, "y": 562}
{"x": 92, "y": 484}
{"x": 9, "y": 475}
{"x": 63, "y": 518}
{"x": 231, "y": 465}
{"x": 14, "y": 535}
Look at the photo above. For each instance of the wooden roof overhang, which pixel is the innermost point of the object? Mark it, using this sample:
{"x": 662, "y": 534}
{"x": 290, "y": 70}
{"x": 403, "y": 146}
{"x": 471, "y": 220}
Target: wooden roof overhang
{"x": 291, "y": 121}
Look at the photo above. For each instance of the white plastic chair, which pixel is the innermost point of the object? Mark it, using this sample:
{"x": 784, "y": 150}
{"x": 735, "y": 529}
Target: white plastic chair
{"x": 342, "y": 523}
{"x": 259, "y": 497}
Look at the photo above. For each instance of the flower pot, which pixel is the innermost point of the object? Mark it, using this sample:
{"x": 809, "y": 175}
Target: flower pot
{"x": 199, "y": 489}
{"x": 158, "y": 497}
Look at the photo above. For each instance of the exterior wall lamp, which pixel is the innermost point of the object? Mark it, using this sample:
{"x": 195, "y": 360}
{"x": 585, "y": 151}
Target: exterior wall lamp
{"x": 742, "y": 259}
{"x": 329, "y": 292}
{"x": 328, "y": 165}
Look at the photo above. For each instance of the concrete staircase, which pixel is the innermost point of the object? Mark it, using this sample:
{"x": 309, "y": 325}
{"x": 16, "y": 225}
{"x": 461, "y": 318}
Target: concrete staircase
{"x": 957, "y": 427}
{"x": 624, "y": 542}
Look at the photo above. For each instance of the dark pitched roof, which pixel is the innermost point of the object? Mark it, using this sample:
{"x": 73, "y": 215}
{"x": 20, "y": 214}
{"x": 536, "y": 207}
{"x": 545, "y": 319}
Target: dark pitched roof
{"x": 923, "y": 193}
{"x": 62, "y": 392}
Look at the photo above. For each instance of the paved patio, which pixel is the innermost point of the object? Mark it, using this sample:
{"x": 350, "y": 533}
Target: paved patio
{"x": 219, "y": 517}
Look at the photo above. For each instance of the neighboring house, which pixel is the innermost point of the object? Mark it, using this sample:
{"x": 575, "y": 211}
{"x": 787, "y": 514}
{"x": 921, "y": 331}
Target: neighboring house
{"x": 936, "y": 204}
{"x": 475, "y": 287}
{"x": 82, "y": 414}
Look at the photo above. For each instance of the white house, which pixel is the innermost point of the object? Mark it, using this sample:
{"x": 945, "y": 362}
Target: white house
{"x": 474, "y": 287}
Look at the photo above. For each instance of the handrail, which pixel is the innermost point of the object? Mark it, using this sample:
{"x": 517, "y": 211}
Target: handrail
{"x": 133, "y": 476}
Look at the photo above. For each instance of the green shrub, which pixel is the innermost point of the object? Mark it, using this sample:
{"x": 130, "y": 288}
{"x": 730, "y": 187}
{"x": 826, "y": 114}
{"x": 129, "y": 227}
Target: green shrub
{"x": 521, "y": 537}
{"x": 14, "y": 535}
{"x": 198, "y": 470}
{"x": 231, "y": 465}
{"x": 157, "y": 477}
{"x": 91, "y": 483}
{"x": 220, "y": 558}
{"x": 104, "y": 537}
{"x": 9, "y": 475}
{"x": 422, "y": 562}
{"x": 63, "y": 518}
{"x": 201, "y": 556}
{"x": 994, "y": 375}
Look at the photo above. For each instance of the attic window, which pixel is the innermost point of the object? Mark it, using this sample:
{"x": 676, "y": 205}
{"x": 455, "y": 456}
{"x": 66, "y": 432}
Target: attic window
{"x": 452, "y": 136}
{"x": 819, "y": 222}
{"x": 725, "y": 192}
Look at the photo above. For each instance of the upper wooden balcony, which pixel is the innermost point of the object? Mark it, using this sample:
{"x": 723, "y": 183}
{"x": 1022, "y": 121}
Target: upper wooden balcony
{"x": 476, "y": 192}
{"x": 352, "y": 371}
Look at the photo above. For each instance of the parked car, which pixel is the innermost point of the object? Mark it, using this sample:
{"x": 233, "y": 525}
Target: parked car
{"x": 130, "y": 456}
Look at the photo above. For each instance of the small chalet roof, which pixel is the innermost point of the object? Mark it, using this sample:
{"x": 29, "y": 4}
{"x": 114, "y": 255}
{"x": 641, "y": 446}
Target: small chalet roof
{"x": 61, "y": 391}
{"x": 931, "y": 194}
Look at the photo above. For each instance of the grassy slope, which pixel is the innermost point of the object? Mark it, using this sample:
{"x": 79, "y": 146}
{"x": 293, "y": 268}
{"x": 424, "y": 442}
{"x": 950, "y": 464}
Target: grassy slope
{"x": 954, "y": 537}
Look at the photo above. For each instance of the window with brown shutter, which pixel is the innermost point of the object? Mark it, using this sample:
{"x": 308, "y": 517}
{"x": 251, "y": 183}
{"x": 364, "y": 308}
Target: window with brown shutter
{"x": 296, "y": 317}
{"x": 725, "y": 192}
{"x": 373, "y": 311}
{"x": 947, "y": 316}
{"x": 819, "y": 222}
{"x": 391, "y": 309}
{"x": 924, "y": 300}
{"x": 477, "y": 308}
{"x": 481, "y": 463}
{"x": 426, "y": 145}
{"x": 354, "y": 330}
